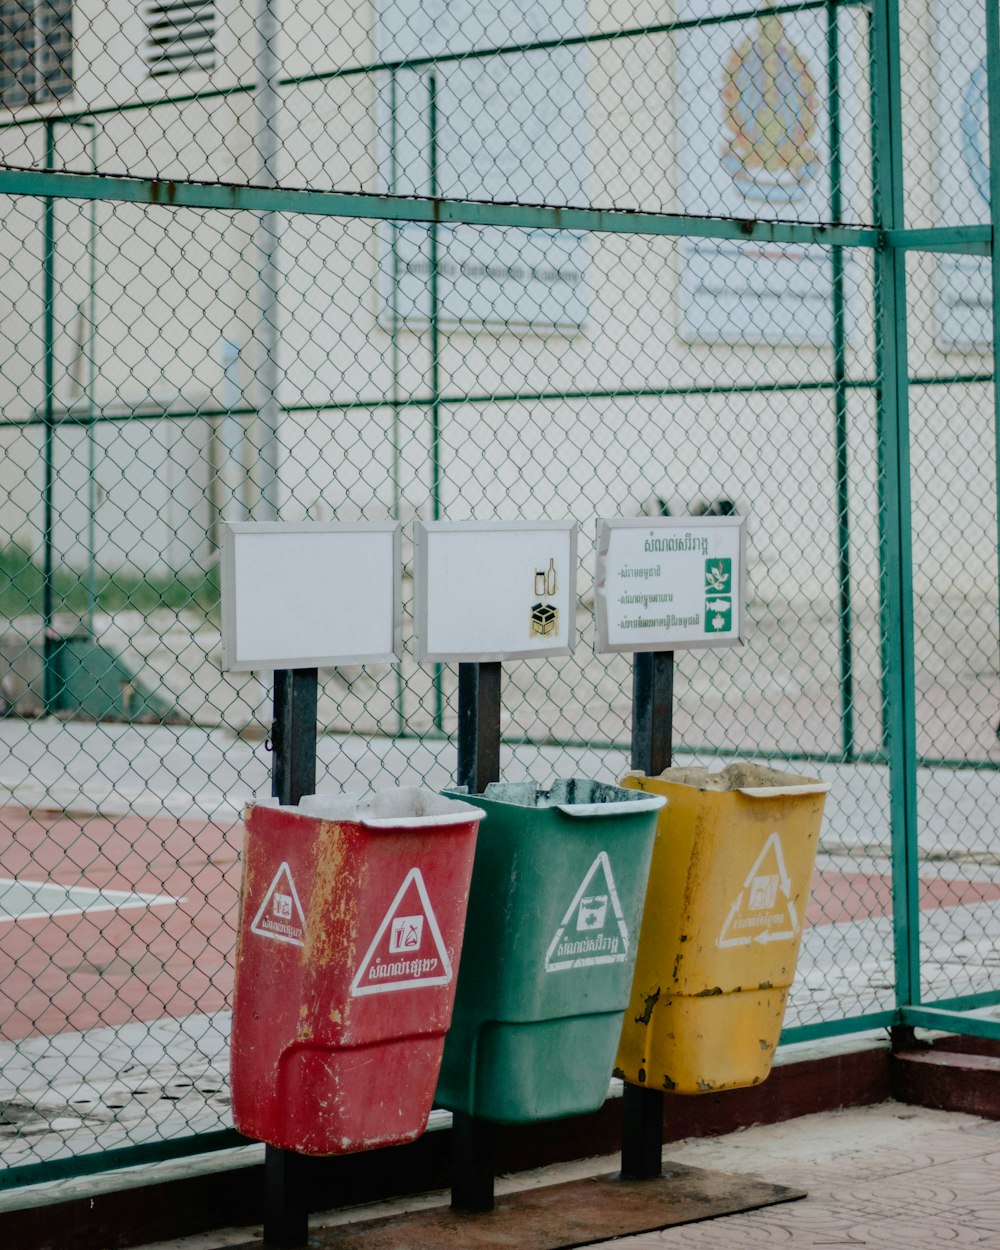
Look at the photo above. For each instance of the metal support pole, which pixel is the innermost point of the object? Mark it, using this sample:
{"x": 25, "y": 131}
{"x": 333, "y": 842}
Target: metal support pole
{"x": 880, "y": 445}
{"x": 473, "y": 1150}
{"x": 90, "y": 351}
{"x": 897, "y": 552}
{"x": 293, "y": 734}
{"x": 394, "y": 358}
{"x": 993, "y": 111}
{"x": 478, "y": 725}
{"x": 473, "y": 1163}
{"x": 293, "y": 774}
{"x": 50, "y": 683}
{"x": 652, "y": 752}
{"x": 435, "y": 360}
{"x": 286, "y": 1219}
{"x": 844, "y": 613}
{"x": 652, "y": 711}
{"x": 435, "y": 326}
{"x": 265, "y": 331}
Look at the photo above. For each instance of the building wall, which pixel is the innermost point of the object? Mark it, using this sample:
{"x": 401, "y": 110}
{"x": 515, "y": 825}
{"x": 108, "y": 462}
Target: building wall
{"x": 175, "y": 297}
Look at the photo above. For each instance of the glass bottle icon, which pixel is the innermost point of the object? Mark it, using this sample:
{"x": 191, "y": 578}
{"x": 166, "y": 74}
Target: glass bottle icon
{"x": 550, "y": 578}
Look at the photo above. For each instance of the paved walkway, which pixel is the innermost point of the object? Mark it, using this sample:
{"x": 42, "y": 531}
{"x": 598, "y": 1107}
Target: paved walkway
{"x": 890, "y": 1177}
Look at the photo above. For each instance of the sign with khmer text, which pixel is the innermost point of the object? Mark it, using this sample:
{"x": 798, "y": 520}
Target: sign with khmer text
{"x": 669, "y": 582}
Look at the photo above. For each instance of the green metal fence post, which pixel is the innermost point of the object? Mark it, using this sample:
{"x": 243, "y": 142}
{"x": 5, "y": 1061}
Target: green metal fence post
{"x": 993, "y": 108}
{"x": 49, "y": 680}
{"x": 840, "y": 392}
{"x": 893, "y": 402}
{"x": 90, "y": 349}
{"x": 397, "y": 489}
{"x": 435, "y": 363}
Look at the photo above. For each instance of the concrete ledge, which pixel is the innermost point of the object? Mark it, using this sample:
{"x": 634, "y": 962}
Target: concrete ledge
{"x": 950, "y": 1074}
{"x": 141, "y": 1205}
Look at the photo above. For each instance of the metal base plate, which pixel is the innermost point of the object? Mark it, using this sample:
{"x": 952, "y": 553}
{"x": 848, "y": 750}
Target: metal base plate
{"x": 558, "y": 1217}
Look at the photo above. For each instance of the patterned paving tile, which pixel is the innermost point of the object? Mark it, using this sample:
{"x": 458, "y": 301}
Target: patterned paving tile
{"x": 877, "y": 1178}
{"x": 888, "y": 1178}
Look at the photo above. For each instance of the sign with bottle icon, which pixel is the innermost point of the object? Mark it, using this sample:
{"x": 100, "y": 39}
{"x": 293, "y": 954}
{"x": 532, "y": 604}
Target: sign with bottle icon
{"x": 309, "y": 595}
{"x": 494, "y": 590}
{"x": 665, "y": 583}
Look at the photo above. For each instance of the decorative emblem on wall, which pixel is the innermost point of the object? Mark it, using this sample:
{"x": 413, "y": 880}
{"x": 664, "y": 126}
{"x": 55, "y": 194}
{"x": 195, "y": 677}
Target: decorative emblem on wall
{"x": 975, "y": 131}
{"x": 771, "y": 112}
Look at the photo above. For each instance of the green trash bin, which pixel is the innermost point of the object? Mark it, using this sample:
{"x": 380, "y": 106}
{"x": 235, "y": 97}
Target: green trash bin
{"x": 554, "y": 912}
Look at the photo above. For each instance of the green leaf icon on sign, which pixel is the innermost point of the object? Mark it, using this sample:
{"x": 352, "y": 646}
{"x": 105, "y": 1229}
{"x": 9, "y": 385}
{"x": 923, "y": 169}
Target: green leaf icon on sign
{"x": 718, "y": 576}
{"x": 718, "y": 616}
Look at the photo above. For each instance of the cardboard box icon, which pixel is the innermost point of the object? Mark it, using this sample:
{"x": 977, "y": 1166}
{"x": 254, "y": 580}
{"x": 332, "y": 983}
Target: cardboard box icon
{"x": 544, "y": 619}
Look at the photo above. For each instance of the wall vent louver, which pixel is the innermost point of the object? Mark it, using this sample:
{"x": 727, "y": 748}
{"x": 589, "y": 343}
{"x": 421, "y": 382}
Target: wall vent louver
{"x": 180, "y": 36}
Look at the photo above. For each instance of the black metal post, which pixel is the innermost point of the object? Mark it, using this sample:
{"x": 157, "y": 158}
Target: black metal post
{"x": 652, "y": 711}
{"x": 473, "y": 1163}
{"x": 478, "y": 725}
{"x": 293, "y": 734}
{"x": 652, "y": 751}
{"x": 473, "y": 1150}
{"x": 293, "y": 774}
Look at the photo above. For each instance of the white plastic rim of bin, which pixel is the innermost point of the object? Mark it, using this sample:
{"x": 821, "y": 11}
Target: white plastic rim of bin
{"x": 408, "y": 807}
{"x": 597, "y": 798}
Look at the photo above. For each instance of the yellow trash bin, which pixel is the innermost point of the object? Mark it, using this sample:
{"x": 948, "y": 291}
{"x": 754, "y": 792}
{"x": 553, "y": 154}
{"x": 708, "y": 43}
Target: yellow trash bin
{"x": 728, "y": 888}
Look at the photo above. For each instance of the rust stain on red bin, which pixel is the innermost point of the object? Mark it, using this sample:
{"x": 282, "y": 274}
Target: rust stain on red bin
{"x": 338, "y": 881}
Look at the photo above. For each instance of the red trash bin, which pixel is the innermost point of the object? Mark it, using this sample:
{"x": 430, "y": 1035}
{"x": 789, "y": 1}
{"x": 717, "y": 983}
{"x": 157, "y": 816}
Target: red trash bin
{"x": 351, "y": 918}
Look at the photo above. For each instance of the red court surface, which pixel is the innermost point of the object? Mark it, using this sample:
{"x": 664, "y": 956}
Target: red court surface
{"x": 74, "y": 972}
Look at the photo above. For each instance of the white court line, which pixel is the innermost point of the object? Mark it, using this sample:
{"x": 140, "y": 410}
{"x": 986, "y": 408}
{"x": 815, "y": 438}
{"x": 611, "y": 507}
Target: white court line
{"x": 93, "y": 900}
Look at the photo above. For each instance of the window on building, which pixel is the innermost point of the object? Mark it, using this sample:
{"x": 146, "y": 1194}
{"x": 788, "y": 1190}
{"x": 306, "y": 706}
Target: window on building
{"x": 180, "y": 36}
{"x": 36, "y": 51}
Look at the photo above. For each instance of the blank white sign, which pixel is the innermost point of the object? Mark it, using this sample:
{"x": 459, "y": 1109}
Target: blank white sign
{"x": 309, "y": 595}
{"x": 494, "y": 590}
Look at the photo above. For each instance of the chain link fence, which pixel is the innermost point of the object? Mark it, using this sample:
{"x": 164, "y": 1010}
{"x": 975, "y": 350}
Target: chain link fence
{"x": 435, "y": 260}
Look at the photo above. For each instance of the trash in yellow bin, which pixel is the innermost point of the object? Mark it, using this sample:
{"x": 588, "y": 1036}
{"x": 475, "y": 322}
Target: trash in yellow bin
{"x": 728, "y": 888}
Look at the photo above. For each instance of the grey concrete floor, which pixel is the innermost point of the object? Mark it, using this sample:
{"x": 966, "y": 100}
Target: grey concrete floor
{"x": 889, "y": 1177}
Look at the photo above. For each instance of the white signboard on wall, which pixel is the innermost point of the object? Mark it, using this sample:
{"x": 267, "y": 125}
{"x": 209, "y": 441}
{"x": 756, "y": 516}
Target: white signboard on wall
{"x": 965, "y": 315}
{"x": 494, "y": 590}
{"x": 490, "y": 142}
{"x": 670, "y": 582}
{"x": 309, "y": 595}
{"x": 754, "y": 143}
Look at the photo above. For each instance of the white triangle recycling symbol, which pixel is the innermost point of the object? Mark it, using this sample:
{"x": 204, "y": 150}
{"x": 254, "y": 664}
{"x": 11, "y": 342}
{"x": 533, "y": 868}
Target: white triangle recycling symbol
{"x": 280, "y": 916}
{"x": 400, "y": 956}
{"x": 597, "y": 933}
{"x": 763, "y": 911}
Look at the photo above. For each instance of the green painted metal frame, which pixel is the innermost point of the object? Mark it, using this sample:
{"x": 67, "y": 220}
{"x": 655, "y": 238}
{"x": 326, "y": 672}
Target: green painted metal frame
{"x": 82, "y": 417}
{"x": 948, "y": 1015}
{"x": 993, "y": 113}
{"x": 121, "y": 1157}
{"x": 49, "y": 691}
{"x": 839, "y": 344}
{"x": 233, "y": 197}
{"x": 889, "y": 241}
{"x": 894, "y": 441}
